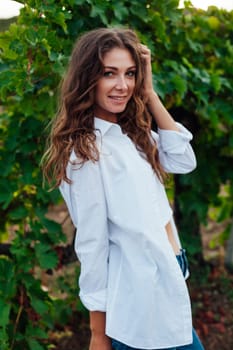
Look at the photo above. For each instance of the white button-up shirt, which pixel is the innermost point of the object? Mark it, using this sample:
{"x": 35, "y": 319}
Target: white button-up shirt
{"x": 128, "y": 267}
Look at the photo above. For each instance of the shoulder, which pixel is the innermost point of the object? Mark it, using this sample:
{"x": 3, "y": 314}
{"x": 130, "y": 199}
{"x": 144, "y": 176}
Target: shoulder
{"x": 155, "y": 135}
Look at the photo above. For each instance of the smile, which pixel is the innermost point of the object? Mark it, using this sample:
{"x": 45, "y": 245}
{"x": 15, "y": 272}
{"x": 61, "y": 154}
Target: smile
{"x": 118, "y": 98}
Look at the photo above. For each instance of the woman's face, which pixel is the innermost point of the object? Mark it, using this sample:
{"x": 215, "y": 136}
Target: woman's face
{"x": 115, "y": 88}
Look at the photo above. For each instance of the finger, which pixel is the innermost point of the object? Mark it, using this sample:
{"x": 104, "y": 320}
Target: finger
{"x": 144, "y": 47}
{"x": 144, "y": 50}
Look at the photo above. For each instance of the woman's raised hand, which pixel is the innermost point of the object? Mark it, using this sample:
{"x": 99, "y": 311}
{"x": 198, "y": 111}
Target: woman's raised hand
{"x": 162, "y": 117}
{"x": 148, "y": 80}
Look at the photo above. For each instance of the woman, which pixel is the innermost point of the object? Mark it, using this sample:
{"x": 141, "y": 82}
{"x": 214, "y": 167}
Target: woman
{"x": 110, "y": 168}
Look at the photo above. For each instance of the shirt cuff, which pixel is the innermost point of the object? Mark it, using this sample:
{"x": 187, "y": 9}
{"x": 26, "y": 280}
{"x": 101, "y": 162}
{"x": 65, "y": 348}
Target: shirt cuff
{"x": 175, "y": 142}
{"x": 94, "y": 301}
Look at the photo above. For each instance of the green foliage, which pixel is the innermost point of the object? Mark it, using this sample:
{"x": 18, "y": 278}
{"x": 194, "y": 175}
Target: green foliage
{"x": 5, "y": 23}
{"x": 205, "y": 56}
{"x": 192, "y": 66}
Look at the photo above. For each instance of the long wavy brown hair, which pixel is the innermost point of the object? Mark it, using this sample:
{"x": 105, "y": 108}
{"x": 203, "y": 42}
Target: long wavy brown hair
{"x": 73, "y": 128}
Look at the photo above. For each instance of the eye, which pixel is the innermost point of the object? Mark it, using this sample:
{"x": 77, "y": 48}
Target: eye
{"x": 108, "y": 74}
{"x": 131, "y": 73}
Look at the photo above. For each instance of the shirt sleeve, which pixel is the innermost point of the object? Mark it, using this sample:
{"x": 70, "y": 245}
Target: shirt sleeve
{"x": 91, "y": 243}
{"x": 175, "y": 151}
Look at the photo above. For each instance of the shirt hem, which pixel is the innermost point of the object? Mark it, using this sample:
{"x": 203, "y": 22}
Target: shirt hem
{"x": 155, "y": 345}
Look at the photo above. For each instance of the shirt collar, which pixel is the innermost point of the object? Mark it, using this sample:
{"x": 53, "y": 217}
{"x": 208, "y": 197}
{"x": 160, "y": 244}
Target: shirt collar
{"x": 104, "y": 126}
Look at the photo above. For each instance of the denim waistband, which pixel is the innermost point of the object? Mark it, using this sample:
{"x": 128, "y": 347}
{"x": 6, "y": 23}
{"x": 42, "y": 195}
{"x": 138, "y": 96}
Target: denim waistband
{"x": 183, "y": 261}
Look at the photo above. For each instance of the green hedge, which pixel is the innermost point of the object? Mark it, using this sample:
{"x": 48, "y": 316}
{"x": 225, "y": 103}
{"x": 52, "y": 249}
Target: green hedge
{"x": 192, "y": 66}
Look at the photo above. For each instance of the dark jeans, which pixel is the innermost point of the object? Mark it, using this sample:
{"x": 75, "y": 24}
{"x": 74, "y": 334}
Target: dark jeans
{"x": 196, "y": 344}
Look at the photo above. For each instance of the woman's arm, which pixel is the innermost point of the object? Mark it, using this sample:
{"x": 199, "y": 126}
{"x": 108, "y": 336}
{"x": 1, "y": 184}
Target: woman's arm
{"x": 175, "y": 152}
{"x": 172, "y": 239}
{"x": 99, "y": 340}
{"x": 162, "y": 117}
{"x": 85, "y": 199}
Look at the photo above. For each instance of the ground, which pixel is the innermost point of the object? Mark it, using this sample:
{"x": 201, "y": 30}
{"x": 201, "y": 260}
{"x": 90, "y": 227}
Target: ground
{"x": 213, "y": 310}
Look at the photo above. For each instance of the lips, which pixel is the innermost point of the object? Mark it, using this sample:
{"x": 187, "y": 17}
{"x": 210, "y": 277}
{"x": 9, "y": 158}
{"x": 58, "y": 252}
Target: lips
{"x": 118, "y": 98}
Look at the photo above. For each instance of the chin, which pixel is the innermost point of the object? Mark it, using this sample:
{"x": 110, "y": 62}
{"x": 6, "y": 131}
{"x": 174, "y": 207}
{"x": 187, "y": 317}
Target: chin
{"x": 119, "y": 109}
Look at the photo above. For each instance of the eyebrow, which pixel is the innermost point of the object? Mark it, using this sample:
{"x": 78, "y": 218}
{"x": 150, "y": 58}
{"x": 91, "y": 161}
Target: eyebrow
{"x": 115, "y": 68}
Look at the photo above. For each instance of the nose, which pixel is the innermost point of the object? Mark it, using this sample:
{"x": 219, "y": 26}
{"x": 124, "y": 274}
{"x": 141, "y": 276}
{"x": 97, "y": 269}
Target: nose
{"x": 121, "y": 83}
